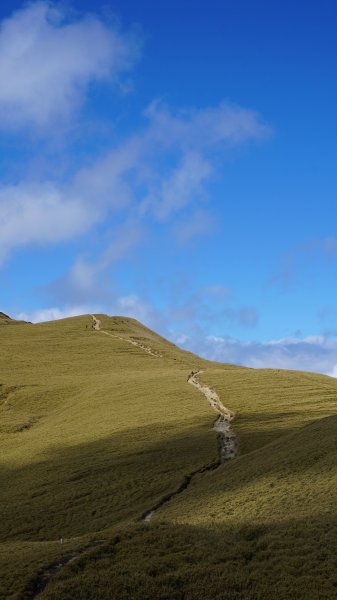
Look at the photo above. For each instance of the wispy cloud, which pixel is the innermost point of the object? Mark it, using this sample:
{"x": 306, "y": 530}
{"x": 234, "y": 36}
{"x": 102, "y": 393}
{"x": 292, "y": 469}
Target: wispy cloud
{"x": 328, "y": 313}
{"x": 158, "y": 173}
{"x": 246, "y": 316}
{"x": 304, "y": 255}
{"x": 87, "y": 280}
{"x": 195, "y": 314}
{"x": 197, "y": 223}
{"x": 48, "y": 57}
{"x": 156, "y": 179}
{"x": 180, "y": 186}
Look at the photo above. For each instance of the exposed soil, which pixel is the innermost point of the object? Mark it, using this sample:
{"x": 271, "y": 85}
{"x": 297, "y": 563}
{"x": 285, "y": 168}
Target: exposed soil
{"x": 96, "y": 323}
{"x": 228, "y": 441}
{"x": 97, "y": 326}
{"x": 228, "y": 444}
{"x": 38, "y": 584}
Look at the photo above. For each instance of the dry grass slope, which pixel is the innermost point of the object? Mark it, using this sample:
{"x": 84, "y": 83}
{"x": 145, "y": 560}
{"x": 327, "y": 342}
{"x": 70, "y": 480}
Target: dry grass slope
{"x": 94, "y": 431}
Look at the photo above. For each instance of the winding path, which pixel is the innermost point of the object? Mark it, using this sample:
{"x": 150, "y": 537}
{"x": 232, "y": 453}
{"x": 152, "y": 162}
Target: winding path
{"x": 97, "y": 326}
{"x": 227, "y": 449}
{"x": 228, "y": 440}
{"x": 228, "y": 443}
{"x": 38, "y": 584}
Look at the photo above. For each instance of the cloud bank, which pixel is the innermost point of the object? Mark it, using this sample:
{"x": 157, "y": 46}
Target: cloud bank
{"x": 313, "y": 353}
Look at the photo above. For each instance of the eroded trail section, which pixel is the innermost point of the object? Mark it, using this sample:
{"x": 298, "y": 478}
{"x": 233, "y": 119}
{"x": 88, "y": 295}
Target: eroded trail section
{"x": 228, "y": 441}
{"x": 227, "y": 447}
{"x": 228, "y": 444}
{"x": 97, "y": 326}
{"x": 40, "y": 582}
{"x": 147, "y": 516}
{"x": 96, "y": 323}
{"x": 146, "y": 349}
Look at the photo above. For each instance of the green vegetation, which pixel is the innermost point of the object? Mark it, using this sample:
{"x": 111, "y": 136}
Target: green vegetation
{"x": 94, "y": 431}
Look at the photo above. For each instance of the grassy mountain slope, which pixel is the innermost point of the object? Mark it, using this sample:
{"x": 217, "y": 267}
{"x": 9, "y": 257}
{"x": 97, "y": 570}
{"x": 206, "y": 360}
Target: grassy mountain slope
{"x": 6, "y": 320}
{"x": 262, "y": 526}
{"x": 88, "y": 425}
{"x": 94, "y": 431}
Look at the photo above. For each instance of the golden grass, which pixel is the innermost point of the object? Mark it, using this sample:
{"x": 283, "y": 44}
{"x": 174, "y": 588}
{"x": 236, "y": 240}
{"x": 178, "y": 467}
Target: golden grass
{"x": 262, "y": 526}
{"x": 94, "y": 431}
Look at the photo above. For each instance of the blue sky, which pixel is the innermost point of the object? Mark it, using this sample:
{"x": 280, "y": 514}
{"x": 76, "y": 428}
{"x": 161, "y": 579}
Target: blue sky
{"x": 175, "y": 162}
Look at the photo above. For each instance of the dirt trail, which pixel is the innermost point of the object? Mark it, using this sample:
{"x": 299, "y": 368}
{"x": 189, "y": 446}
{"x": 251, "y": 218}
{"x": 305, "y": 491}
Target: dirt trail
{"x": 228, "y": 441}
{"x": 40, "y": 582}
{"x": 227, "y": 449}
{"x": 96, "y": 323}
{"x": 97, "y": 326}
{"x": 228, "y": 444}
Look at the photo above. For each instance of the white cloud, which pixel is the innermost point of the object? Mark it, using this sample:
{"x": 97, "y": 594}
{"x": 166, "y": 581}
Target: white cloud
{"x": 165, "y": 166}
{"x": 314, "y": 353}
{"x": 54, "y": 313}
{"x": 129, "y": 305}
{"x": 39, "y": 213}
{"x": 182, "y": 184}
{"x": 199, "y": 135}
{"x": 86, "y": 279}
{"x": 160, "y": 172}
{"x": 206, "y": 127}
{"x": 133, "y": 306}
{"x": 333, "y": 372}
{"x": 48, "y": 60}
{"x": 82, "y": 282}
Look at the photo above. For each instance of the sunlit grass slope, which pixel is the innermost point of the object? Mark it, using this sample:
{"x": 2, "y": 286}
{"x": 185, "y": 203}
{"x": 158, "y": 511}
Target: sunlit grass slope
{"x": 272, "y": 402}
{"x": 92, "y": 428}
{"x": 94, "y": 431}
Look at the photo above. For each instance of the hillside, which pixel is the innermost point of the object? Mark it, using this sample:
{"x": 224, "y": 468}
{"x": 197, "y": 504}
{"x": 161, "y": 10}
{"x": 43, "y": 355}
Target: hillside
{"x": 99, "y": 424}
{"x": 6, "y": 320}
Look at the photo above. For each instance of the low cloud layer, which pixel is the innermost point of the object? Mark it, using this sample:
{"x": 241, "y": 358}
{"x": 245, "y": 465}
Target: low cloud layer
{"x": 314, "y": 353}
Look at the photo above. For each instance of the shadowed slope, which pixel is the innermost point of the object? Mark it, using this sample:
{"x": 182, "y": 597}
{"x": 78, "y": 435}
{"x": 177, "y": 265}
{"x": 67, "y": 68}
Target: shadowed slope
{"x": 261, "y": 527}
